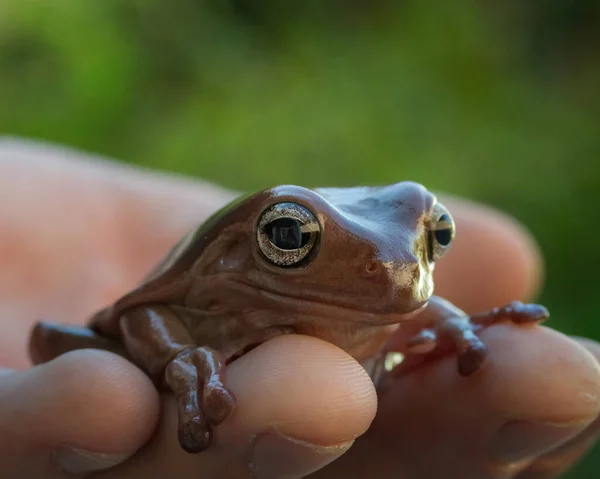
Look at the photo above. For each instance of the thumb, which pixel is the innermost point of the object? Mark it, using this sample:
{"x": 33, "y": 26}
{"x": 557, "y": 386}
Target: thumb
{"x": 85, "y": 411}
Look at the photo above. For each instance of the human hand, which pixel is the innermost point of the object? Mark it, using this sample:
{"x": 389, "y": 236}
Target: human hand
{"x": 77, "y": 233}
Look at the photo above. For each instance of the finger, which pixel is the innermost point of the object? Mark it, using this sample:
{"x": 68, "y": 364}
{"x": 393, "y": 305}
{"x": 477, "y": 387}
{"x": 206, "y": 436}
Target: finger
{"x": 301, "y": 402}
{"x": 539, "y": 390}
{"x": 558, "y": 461}
{"x": 493, "y": 259}
{"x": 84, "y": 411}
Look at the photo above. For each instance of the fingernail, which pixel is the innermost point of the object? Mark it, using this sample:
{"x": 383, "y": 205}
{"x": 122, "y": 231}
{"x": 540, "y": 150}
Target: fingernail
{"x": 519, "y": 440}
{"x": 276, "y": 456}
{"x": 77, "y": 461}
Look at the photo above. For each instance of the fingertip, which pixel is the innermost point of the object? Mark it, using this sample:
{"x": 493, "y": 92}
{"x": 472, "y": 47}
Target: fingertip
{"x": 560, "y": 459}
{"x": 307, "y": 388}
{"x": 547, "y": 389}
{"x": 118, "y": 401}
{"x": 305, "y": 400}
{"x": 537, "y": 390}
{"x": 89, "y": 400}
{"x": 496, "y": 258}
{"x": 542, "y": 375}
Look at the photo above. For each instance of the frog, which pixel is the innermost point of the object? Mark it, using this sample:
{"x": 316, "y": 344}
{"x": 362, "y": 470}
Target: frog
{"x": 347, "y": 265}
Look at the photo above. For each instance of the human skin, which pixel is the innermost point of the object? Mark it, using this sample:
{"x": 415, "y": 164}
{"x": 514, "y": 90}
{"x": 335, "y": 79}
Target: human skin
{"x": 76, "y": 232}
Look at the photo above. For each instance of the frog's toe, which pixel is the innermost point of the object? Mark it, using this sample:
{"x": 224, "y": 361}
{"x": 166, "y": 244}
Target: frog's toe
{"x": 218, "y": 403}
{"x": 516, "y": 312}
{"x": 472, "y": 358}
{"x": 527, "y": 313}
{"x": 423, "y": 342}
{"x": 195, "y": 435}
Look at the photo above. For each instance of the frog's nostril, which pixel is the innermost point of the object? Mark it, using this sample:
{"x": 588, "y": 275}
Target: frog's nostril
{"x": 371, "y": 268}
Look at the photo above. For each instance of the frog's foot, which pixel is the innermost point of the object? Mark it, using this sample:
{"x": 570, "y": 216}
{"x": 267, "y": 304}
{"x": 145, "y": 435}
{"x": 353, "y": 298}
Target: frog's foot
{"x": 461, "y": 332}
{"x": 472, "y": 353}
{"x": 515, "y": 312}
{"x": 50, "y": 340}
{"x": 196, "y": 378}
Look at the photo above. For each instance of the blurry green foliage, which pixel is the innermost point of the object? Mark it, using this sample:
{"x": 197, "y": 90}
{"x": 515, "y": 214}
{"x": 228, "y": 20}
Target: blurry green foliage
{"x": 498, "y": 102}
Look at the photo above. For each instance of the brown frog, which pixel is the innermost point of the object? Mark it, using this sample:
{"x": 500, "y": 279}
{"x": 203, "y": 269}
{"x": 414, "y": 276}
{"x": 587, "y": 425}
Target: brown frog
{"x": 347, "y": 265}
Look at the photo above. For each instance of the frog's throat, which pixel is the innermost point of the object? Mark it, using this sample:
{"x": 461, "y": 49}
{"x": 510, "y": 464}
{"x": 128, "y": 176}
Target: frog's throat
{"x": 329, "y": 310}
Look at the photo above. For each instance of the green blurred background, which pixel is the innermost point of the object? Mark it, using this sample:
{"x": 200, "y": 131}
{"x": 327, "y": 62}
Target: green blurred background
{"x": 497, "y": 101}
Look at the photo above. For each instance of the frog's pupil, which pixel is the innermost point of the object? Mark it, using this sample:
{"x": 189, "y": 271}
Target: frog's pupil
{"x": 443, "y": 237}
{"x": 285, "y": 233}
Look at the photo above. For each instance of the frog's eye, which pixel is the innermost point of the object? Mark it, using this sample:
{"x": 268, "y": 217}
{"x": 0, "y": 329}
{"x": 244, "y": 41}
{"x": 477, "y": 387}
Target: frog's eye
{"x": 441, "y": 232}
{"x": 287, "y": 233}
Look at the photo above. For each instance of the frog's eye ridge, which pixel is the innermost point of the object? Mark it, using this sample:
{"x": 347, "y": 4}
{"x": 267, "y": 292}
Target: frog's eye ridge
{"x": 441, "y": 232}
{"x": 287, "y": 233}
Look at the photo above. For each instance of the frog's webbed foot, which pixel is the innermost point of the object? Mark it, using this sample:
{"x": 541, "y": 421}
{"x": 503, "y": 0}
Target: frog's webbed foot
{"x": 196, "y": 378}
{"x": 460, "y": 330}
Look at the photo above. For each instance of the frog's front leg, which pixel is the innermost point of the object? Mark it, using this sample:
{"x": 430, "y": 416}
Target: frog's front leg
{"x": 445, "y": 322}
{"x": 160, "y": 344}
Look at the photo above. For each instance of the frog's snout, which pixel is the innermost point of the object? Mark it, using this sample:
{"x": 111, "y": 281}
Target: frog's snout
{"x": 410, "y": 283}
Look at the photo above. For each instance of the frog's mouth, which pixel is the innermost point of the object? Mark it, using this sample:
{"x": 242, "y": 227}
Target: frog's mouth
{"x": 327, "y": 311}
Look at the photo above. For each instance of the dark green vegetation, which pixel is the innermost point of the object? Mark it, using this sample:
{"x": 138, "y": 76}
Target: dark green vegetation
{"x": 492, "y": 100}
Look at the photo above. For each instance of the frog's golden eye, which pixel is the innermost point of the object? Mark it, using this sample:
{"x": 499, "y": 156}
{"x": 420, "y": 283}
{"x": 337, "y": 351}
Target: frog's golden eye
{"x": 441, "y": 232}
{"x": 287, "y": 233}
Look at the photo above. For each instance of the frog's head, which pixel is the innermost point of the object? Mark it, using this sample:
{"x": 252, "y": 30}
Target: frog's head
{"x": 360, "y": 254}
{"x": 364, "y": 249}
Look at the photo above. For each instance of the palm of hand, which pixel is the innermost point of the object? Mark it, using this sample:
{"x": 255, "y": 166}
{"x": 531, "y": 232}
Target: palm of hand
{"x": 76, "y": 235}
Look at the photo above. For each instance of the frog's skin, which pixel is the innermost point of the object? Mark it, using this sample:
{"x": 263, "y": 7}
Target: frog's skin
{"x": 363, "y": 266}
